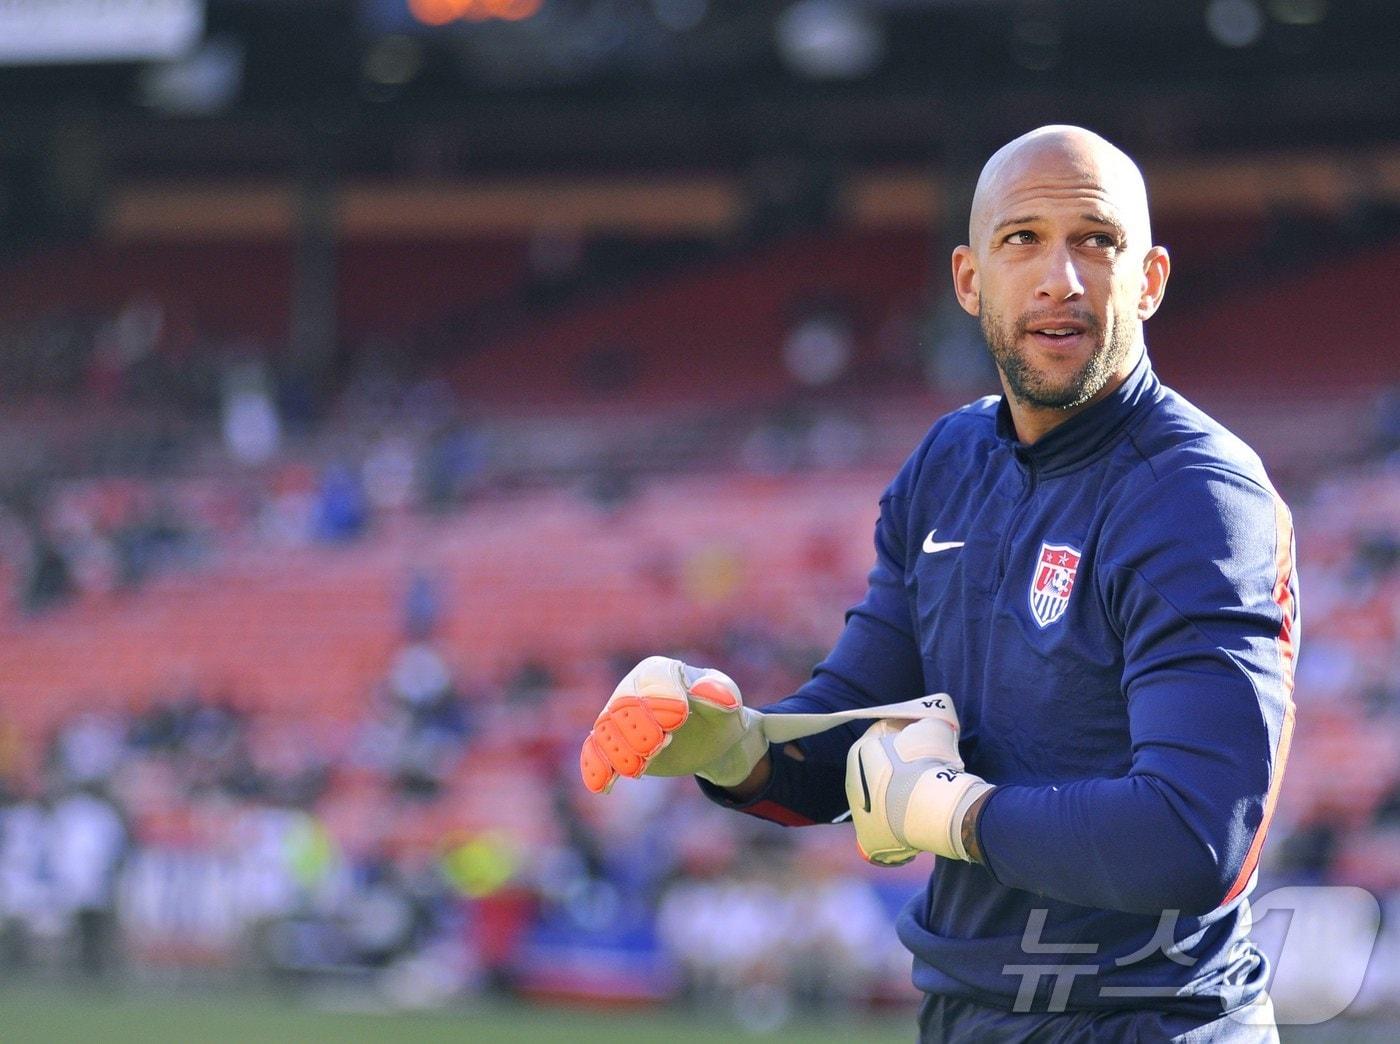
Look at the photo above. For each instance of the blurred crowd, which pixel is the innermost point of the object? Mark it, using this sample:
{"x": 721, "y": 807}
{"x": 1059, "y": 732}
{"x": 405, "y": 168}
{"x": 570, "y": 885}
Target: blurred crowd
{"x": 93, "y": 502}
{"x": 195, "y": 450}
{"x": 194, "y": 831}
{"x": 433, "y": 842}
{"x": 190, "y": 832}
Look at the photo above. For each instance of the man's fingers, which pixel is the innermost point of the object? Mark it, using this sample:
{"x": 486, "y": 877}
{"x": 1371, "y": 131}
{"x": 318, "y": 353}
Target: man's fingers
{"x": 929, "y": 738}
{"x": 887, "y": 858}
{"x": 646, "y": 713}
{"x": 668, "y": 714}
{"x": 714, "y": 691}
{"x": 629, "y": 731}
{"x": 867, "y": 792}
{"x": 708, "y": 686}
{"x": 626, "y": 736}
{"x": 598, "y": 773}
{"x": 612, "y": 741}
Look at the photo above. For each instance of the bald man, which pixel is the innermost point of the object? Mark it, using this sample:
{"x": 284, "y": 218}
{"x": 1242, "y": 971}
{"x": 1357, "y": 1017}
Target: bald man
{"x": 1091, "y": 585}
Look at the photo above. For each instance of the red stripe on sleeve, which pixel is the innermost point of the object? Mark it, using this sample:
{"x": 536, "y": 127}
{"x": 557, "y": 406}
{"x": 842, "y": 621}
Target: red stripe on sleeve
{"x": 1287, "y": 654}
{"x": 776, "y": 813}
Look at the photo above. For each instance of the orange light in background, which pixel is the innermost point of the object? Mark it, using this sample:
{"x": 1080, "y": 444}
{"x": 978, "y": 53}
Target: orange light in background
{"x": 433, "y": 12}
{"x": 518, "y": 10}
{"x": 440, "y": 12}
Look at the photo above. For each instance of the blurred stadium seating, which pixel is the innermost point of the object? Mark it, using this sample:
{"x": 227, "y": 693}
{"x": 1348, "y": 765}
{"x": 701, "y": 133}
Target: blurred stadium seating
{"x": 301, "y": 632}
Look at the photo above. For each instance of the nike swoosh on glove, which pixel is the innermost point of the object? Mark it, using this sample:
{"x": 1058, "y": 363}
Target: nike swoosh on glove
{"x": 908, "y": 790}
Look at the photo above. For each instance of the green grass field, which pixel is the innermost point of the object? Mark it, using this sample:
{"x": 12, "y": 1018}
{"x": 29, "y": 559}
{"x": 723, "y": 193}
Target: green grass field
{"x": 50, "y": 1015}
{"x": 45, "y": 1015}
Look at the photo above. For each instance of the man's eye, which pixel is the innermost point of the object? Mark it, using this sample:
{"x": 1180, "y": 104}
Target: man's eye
{"x": 1021, "y": 237}
{"x": 1103, "y": 240}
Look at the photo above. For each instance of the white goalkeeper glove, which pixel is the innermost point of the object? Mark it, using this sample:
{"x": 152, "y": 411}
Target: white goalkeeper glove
{"x": 666, "y": 718}
{"x": 907, "y": 789}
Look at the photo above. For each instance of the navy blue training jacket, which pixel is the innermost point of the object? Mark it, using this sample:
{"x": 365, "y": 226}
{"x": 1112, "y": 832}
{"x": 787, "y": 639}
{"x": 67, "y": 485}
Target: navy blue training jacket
{"x": 1117, "y": 628}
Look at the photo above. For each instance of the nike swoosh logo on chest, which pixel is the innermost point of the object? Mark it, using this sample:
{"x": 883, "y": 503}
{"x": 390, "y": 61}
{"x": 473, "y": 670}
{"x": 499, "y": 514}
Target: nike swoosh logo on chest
{"x": 932, "y": 546}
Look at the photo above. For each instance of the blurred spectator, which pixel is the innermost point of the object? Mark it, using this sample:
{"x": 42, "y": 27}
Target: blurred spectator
{"x": 87, "y": 751}
{"x": 252, "y": 428}
{"x": 342, "y": 508}
{"x": 422, "y": 605}
{"x": 820, "y": 346}
{"x": 87, "y": 843}
{"x": 24, "y": 901}
{"x": 452, "y": 465}
{"x": 48, "y": 580}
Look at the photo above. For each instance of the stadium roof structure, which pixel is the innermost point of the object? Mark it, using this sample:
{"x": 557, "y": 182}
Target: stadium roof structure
{"x": 442, "y": 91}
{"x": 705, "y": 83}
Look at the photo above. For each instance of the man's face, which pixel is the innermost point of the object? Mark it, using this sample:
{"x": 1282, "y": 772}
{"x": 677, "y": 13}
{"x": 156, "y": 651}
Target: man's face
{"x": 1057, "y": 274}
{"x": 1064, "y": 368}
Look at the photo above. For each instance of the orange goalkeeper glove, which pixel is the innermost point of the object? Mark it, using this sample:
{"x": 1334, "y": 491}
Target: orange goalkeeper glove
{"x": 666, "y": 718}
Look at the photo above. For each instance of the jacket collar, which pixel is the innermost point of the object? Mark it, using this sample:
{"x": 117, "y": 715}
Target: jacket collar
{"x": 1089, "y": 432}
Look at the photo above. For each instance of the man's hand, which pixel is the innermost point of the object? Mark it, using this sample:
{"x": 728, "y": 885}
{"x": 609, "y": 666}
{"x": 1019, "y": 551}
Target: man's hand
{"x": 908, "y": 791}
{"x": 666, "y": 718}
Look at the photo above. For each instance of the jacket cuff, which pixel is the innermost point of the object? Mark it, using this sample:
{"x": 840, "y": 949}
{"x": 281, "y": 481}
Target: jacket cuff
{"x": 798, "y": 793}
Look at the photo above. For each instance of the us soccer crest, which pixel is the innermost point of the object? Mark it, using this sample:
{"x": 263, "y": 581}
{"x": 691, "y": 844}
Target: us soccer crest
{"x": 1052, "y": 582}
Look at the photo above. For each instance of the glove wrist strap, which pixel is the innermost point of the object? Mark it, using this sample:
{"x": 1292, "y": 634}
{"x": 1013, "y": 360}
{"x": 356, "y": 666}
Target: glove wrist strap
{"x": 735, "y": 765}
{"x": 955, "y": 824}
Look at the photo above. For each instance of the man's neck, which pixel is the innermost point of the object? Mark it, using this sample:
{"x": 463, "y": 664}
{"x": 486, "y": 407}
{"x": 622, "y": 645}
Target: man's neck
{"x": 1033, "y": 423}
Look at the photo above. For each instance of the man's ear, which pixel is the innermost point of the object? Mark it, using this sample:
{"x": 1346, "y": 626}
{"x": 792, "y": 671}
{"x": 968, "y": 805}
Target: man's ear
{"x": 966, "y": 282}
{"x": 1156, "y": 267}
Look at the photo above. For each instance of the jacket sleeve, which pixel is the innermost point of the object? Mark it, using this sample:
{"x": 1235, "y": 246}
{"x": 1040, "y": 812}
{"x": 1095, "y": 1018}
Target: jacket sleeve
{"x": 1196, "y": 576}
{"x": 876, "y": 660}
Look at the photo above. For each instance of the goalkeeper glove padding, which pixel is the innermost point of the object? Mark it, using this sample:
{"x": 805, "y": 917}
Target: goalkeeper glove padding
{"x": 666, "y": 718}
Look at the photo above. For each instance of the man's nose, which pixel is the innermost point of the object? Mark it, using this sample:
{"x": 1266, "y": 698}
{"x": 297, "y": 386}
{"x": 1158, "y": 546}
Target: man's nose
{"x": 1061, "y": 279}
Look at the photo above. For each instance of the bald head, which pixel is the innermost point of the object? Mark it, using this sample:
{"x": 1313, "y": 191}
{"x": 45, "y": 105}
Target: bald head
{"x": 1060, "y": 270}
{"x": 1060, "y": 158}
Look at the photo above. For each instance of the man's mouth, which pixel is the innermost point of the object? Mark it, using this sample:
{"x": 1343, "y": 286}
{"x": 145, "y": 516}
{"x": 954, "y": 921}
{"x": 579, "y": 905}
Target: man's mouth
{"x": 1057, "y": 328}
{"x": 1062, "y": 338}
{"x": 1057, "y": 333}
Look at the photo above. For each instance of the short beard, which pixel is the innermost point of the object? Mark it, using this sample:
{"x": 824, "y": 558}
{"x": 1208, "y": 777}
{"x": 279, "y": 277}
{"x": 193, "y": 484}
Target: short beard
{"x": 1028, "y": 385}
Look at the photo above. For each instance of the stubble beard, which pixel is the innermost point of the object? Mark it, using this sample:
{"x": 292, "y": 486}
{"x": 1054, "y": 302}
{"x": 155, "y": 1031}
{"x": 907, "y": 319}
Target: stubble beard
{"x": 1033, "y": 387}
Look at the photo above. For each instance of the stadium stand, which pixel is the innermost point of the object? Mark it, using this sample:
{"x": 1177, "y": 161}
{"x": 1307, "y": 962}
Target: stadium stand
{"x": 313, "y": 683}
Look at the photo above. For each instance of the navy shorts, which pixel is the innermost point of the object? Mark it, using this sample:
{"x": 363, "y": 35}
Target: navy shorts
{"x": 950, "y": 1020}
